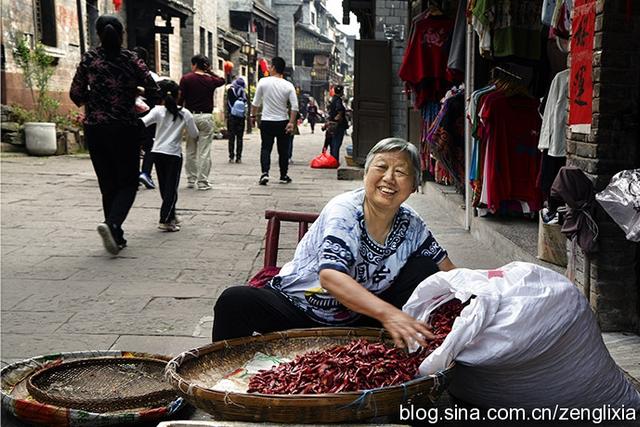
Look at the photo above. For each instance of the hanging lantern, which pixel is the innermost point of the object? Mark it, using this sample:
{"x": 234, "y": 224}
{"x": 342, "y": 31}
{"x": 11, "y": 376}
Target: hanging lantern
{"x": 228, "y": 67}
{"x": 263, "y": 68}
{"x": 117, "y": 4}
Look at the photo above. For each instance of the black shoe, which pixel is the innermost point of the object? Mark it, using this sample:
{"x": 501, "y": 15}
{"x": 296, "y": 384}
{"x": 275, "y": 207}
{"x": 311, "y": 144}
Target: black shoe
{"x": 238, "y": 160}
{"x": 264, "y": 178}
{"x": 285, "y": 179}
{"x": 230, "y": 159}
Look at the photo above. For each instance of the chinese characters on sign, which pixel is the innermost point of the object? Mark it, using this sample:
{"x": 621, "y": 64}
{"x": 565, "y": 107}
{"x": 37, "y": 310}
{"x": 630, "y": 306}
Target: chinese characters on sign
{"x": 581, "y": 84}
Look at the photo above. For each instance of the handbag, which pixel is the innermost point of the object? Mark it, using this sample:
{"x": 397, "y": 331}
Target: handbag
{"x": 324, "y": 160}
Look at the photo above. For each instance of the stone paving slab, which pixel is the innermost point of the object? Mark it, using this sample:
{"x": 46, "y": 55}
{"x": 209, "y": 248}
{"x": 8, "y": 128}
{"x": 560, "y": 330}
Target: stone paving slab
{"x": 15, "y": 345}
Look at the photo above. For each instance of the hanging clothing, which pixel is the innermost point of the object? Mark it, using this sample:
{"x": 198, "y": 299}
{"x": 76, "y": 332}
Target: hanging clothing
{"x": 548, "y": 7}
{"x": 510, "y": 125}
{"x": 424, "y": 65}
{"x": 456, "y": 61}
{"x": 554, "y": 120}
{"x": 513, "y": 27}
{"x": 574, "y": 188}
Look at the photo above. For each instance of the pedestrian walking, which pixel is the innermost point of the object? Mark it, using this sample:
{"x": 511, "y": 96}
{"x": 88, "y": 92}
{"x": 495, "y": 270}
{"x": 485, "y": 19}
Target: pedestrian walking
{"x": 106, "y": 82}
{"x": 236, "y": 105}
{"x": 147, "y": 133}
{"x": 312, "y": 113}
{"x": 272, "y": 93}
{"x": 169, "y": 121}
{"x": 196, "y": 94}
{"x": 337, "y": 123}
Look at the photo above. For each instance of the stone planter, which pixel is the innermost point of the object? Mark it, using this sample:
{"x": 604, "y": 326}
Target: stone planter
{"x": 40, "y": 138}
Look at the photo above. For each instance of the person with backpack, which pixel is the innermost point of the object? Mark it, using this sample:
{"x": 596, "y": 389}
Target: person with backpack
{"x": 169, "y": 121}
{"x": 236, "y": 105}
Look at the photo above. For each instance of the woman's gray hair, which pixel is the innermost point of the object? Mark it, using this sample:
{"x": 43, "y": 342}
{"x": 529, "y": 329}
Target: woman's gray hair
{"x": 388, "y": 145}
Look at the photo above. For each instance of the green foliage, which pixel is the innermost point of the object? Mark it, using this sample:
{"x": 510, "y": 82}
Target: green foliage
{"x": 21, "y": 115}
{"x": 37, "y": 70}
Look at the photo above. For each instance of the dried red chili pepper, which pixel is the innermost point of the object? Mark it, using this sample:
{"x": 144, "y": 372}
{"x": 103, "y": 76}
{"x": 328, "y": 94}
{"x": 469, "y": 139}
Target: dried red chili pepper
{"x": 358, "y": 365}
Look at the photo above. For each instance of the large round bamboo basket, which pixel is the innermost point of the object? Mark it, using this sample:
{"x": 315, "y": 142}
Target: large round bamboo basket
{"x": 194, "y": 372}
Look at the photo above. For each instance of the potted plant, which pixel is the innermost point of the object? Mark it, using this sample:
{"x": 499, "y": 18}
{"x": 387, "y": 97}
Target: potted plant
{"x": 37, "y": 70}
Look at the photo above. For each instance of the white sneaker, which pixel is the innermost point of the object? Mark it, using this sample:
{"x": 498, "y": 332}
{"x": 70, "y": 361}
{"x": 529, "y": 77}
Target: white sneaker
{"x": 168, "y": 226}
{"x": 204, "y": 186}
{"x": 191, "y": 184}
{"x": 107, "y": 238}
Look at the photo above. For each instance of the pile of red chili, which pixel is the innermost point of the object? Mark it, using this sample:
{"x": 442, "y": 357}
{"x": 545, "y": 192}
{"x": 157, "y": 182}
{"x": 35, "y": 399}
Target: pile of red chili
{"x": 359, "y": 365}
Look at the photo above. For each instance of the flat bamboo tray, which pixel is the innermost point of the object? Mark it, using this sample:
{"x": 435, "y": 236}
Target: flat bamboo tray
{"x": 103, "y": 384}
{"x": 17, "y": 400}
{"x": 193, "y": 373}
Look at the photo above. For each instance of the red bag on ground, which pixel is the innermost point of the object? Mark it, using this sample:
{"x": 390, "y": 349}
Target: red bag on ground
{"x": 263, "y": 276}
{"x": 324, "y": 161}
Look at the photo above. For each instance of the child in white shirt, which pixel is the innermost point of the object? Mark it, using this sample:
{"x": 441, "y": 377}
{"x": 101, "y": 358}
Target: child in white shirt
{"x": 170, "y": 120}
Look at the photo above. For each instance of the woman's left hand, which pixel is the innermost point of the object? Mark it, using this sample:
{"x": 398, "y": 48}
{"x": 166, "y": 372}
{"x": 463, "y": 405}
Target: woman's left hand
{"x": 404, "y": 329}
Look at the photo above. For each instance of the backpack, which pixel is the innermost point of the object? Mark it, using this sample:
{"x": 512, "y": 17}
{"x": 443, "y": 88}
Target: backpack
{"x": 237, "y": 109}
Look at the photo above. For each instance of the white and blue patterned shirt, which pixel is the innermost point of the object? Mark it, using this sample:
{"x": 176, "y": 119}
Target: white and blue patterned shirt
{"x": 339, "y": 240}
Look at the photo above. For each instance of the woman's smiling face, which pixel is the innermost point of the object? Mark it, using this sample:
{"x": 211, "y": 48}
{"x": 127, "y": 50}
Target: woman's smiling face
{"x": 389, "y": 181}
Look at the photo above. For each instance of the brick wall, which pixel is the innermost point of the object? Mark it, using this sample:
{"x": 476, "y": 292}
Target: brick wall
{"x": 611, "y": 146}
{"x": 18, "y": 18}
{"x": 395, "y": 12}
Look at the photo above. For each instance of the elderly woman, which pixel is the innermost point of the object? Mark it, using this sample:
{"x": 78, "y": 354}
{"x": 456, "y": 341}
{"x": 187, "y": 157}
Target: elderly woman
{"x": 357, "y": 265}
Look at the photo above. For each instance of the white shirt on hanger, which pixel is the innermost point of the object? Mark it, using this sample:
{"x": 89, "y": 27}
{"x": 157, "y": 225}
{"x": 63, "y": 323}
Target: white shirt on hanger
{"x": 554, "y": 119}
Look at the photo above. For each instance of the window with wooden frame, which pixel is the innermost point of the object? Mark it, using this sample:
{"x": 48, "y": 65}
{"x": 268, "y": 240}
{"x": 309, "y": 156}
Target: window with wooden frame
{"x": 45, "y": 20}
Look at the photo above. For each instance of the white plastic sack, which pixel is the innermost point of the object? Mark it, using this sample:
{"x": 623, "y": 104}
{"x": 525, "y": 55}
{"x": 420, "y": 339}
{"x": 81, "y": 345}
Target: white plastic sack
{"x": 621, "y": 200}
{"x": 528, "y": 339}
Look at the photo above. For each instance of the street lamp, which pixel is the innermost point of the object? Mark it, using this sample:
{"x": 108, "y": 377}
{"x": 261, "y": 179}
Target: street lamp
{"x": 250, "y": 52}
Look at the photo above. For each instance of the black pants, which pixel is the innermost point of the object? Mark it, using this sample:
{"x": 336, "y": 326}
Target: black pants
{"x": 241, "y": 310}
{"x": 168, "y": 168}
{"x": 312, "y": 123}
{"x": 235, "y": 127}
{"x": 270, "y": 131}
{"x": 115, "y": 155}
{"x": 147, "y": 134}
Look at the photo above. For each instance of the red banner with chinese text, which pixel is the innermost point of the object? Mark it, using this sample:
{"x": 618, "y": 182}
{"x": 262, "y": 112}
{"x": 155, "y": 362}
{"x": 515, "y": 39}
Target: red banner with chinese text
{"x": 580, "y": 82}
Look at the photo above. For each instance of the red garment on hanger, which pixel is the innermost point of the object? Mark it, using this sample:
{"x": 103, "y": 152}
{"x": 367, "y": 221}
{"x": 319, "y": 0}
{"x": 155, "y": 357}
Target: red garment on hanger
{"x": 511, "y": 127}
{"x": 424, "y": 65}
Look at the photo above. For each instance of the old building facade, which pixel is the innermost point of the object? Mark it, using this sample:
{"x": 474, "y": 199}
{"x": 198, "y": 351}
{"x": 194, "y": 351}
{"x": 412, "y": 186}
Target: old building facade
{"x": 172, "y": 31}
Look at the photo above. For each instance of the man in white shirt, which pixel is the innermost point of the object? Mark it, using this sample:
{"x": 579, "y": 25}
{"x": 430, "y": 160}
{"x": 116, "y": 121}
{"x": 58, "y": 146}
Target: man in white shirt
{"x": 273, "y": 93}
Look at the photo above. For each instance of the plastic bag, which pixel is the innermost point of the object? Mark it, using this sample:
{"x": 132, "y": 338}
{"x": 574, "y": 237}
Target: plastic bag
{"x": 527, "y": 339}
{"x": 621, "y": 200}
{"x": 324, "y": 161}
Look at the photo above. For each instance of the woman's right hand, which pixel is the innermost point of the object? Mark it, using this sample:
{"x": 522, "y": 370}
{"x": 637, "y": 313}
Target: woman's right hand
{"x": 404, "y": 329}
